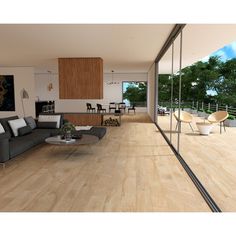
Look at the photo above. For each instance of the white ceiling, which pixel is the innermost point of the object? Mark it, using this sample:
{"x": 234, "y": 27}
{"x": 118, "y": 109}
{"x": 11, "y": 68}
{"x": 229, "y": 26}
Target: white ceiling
{"x": 199, "y": 40}
{"x": 124, "y": 48}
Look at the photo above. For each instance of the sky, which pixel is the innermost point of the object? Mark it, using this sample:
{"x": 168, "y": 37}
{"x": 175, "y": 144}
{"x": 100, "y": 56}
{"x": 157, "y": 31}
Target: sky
{"x": 225, "y": 53}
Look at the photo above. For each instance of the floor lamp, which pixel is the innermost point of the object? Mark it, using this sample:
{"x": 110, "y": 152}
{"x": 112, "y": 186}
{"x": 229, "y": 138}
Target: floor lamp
{"x": 24, "y": 95}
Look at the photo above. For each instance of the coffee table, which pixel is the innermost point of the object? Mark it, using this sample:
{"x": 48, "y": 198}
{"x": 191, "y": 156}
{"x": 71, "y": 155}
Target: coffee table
{"x": 85, "y": 139}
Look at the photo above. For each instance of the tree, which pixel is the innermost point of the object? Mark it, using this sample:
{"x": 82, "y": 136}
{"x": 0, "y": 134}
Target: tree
{"x": 164, "y": 88}
{"x": 225, "y": 85}
{"x": 211, "y": 81}
{"x": 136, "y": 93}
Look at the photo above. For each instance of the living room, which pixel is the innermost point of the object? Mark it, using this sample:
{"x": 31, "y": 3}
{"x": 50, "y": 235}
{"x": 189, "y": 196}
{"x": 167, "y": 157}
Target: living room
{"x": 37, "y": 75}
{"x": 79, "y": 158}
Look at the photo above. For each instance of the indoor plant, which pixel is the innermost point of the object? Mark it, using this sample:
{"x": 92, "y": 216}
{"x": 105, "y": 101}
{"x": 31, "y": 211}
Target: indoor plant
{"x": 66, "y": 130}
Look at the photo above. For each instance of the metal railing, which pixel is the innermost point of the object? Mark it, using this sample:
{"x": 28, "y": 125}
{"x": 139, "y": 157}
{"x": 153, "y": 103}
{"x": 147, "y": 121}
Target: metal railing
{"x": 201, "y": 106}
{"x": 137, "y": 104}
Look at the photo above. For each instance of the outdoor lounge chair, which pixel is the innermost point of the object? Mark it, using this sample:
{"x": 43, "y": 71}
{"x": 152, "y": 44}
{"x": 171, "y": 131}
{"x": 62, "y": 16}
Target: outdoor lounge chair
{"x": 218, "y": 117}
{"x": 185, "y": 117}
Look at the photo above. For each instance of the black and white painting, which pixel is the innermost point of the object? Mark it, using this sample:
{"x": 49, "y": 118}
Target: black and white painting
{"x": 7, "y": 95}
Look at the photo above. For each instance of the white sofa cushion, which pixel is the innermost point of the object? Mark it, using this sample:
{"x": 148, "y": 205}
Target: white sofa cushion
{"x": 50, "y": 118}
{"x": 16, "y": 124}
{"x": 1, "y": 129}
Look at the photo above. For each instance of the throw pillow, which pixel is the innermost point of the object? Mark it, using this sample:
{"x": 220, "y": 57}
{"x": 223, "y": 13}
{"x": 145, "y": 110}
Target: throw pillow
{"x": 24, "y": 130}
{"x": 30, "y": 122}
{"x": 47, "y": 125}
{"x": 50, "y": 118}
{"x": 5, "y": 124}
{"x": 2, "y": 130}
{"x": 16, "y": 124}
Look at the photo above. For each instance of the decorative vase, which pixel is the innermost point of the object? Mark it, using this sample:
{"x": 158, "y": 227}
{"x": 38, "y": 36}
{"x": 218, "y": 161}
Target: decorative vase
{"x": 68, "y": 135}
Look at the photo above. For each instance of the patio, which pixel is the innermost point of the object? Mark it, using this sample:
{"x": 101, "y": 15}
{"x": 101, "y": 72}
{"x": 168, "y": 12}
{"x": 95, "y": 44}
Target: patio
{"x": 212, "y": 158}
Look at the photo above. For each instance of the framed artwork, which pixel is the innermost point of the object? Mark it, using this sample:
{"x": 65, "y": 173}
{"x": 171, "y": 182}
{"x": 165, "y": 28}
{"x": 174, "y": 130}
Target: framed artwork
{"x": 7, "y": 94}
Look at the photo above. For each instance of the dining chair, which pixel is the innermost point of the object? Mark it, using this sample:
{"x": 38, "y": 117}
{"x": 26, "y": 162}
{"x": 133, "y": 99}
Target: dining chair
{"x": 122, "y": 106}
{"x": 112, "y": 106}
{"x": 90, "y": 108}
{"x": 100, "y": 109}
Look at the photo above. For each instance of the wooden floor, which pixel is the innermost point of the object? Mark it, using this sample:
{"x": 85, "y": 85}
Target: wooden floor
{"x": 130, "y": 169}
{"x": 212, "y": 158}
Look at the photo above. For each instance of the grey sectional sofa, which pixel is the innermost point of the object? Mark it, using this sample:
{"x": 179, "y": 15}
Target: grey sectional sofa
{"x": 11, "y": 146}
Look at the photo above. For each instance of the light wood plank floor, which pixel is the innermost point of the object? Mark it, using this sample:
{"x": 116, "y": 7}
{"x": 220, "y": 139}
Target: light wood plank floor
{"x": 130, "y": 169}
{"x": 212, "y": 158}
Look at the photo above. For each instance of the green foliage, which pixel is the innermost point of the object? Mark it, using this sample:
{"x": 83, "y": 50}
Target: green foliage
{"x": 209, "y": 111}
{"x": 136, "y": 92}
{"x": 67, "y": 127}
{"x": 231, "y": 117}
{"x": 214, "y": 75}
{"x": 164, "y": 87}
{"x": 201, "y": 110}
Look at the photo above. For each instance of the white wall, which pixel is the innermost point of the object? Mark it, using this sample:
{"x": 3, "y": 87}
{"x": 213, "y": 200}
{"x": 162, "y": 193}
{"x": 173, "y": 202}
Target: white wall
{"x": 112, "y": 93}
{"x": 41, "y": 86}
{"x": 151, "y": 91}
{"x": 23, "y": 78}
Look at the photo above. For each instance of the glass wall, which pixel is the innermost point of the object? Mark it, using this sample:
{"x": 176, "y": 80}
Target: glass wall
{"x": 168, "y": 92}
{"x": 189, "y": 94}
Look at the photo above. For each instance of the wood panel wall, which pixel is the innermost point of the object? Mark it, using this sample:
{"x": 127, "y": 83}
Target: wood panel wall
{"x": 84, "y": 119}
{"x": 80, "y": 78}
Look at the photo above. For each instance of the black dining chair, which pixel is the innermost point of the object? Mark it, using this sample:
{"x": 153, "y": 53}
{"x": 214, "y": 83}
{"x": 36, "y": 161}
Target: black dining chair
{"x": 100, "y": 109}
{"x": 112, "y": 106}
{"x": 90, "y": 108}
{"x": 132, "y": 108}
{"x": 122, "y": 106}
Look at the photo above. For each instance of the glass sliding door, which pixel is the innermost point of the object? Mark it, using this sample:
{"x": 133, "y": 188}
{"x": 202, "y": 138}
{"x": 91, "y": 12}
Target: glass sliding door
{"x": 189, "y": 90}
{"x": 169, "y": 92}
{"x": 164, "y": 92}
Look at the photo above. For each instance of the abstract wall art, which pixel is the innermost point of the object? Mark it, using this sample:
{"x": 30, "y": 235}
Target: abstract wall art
{"x": 7, "y": 95}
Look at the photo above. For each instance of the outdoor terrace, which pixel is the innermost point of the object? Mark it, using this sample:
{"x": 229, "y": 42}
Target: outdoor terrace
{"x": 212, "y": 158}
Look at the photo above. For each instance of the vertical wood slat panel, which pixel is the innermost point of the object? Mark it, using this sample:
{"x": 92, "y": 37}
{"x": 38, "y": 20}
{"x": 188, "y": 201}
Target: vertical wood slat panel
{"x": 84, "y": 119}
{"x": 80, "y": 78}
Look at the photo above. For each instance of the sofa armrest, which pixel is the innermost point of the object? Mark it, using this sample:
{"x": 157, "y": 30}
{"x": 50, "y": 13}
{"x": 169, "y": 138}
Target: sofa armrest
{"x": 6, "y": 135}
{"x": 4, "y": 147}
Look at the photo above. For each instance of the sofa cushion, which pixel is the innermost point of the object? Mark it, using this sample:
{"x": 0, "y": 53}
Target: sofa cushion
{"x": 48, "y": 132}
{"x": 50, "y": 118}
{"x": 97, "y": 131}
{"x": 4, "y": 147}
{"x": 2, "y": 130}
{"x": 16, "y": 124}
{"x": 23, "y": 143}
{"x": 47, "y": 125}
{"x": 55, "y": 114}
{"x": 24, "y": 130}
{"x": 4, "y": 122}
{"x": 31, "y": 122}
